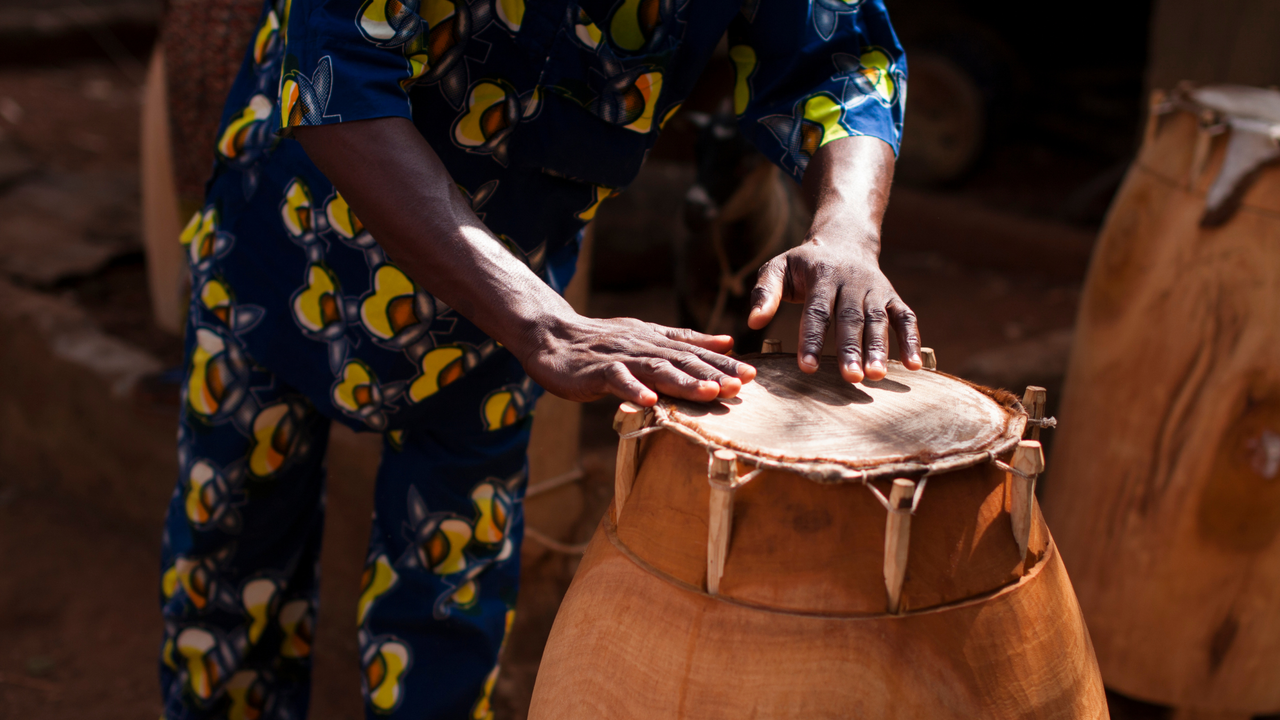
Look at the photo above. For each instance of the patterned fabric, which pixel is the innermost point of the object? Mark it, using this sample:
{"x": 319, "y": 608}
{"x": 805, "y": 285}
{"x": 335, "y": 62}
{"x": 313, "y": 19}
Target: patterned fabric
{"x": 242, "y": 540}
{"x": 540, "y": 111}
{"x": 583, "y": 89}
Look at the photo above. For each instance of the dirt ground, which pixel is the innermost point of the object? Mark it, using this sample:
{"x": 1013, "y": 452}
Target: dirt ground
{"x": 79, "y": 619}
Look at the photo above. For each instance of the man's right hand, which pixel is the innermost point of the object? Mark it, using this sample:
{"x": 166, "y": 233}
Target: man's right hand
{"x": 582, "y": 358}
{"x": 404, "y": 195}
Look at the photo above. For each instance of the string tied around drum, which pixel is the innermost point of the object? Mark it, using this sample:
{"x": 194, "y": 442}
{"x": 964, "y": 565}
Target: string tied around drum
{"x": 737, "y": 482}
{"x": 1011, "y": 469}
{"x": 915, "y": 497}
{"x": 639, "y": 433}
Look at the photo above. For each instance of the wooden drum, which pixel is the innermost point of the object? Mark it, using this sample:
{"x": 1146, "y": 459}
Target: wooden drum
{"x": 1165, "y": 486}
{"x": 815, "y": 549}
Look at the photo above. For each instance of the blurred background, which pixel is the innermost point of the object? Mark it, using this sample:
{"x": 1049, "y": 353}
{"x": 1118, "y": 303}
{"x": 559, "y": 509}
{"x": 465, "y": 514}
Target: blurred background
{"x": 1021, "y": 122}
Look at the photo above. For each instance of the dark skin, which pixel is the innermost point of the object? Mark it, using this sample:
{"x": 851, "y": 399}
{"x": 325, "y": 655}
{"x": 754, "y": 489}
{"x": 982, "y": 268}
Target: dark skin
{"x": 400, "y": 189}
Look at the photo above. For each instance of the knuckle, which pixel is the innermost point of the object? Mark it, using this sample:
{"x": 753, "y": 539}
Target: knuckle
{"x": 821, "y": 269}
{"x": 616, "y": 373}
{"x": 812, "y": 338}
{"x": 768, "y": 270}
{"x": 655, "y": 365}
{"x": 818, "y": 313}
{"x": 684, "y": 358}
{"x": 851, "y": 348}
{"x": 876, "y": 316}
{"x": 850, "y": 314}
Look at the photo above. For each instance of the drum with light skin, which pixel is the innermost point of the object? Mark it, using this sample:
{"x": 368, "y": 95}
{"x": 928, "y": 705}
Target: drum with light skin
{"x": 816, "y": 549}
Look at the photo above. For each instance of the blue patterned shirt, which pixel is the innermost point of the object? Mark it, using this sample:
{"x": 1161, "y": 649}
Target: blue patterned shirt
{"x": 540, "y": 110}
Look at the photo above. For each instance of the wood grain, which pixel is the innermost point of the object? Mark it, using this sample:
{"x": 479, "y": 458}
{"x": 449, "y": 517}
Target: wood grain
{"x": 724, "y": 472}
{"x": 630, "y": 646}
{"x": 628, "y": 419}
{"x": 1028, "y": 459}
{"x": 1163, "y": 489}
{"x": 799, "y": 626}
{"x": 897, "y": 542}
{"x": 811, "y": 547}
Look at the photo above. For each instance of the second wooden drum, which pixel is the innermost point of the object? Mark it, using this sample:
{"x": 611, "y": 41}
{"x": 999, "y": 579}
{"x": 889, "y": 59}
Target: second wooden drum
{"x": 818, "y": 549}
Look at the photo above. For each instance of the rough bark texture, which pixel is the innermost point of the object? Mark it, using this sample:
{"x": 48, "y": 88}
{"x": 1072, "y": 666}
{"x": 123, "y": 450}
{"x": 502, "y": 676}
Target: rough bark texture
{"x": 1164, "y": 488}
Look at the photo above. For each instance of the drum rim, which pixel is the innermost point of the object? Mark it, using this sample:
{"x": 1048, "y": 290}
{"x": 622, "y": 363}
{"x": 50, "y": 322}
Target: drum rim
{"x": 834, "y": 471}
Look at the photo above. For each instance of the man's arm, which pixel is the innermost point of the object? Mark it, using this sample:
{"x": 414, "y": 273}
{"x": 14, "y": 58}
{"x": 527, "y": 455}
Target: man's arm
{"x": 402, "y": 192}
{"x": 836, "y": 271}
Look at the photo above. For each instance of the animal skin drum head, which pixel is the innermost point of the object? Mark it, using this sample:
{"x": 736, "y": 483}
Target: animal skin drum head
{"x": 911, "y": 423}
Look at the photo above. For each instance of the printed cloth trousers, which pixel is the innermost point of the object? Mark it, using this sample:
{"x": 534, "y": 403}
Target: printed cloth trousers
{"x": 243, "y": 536}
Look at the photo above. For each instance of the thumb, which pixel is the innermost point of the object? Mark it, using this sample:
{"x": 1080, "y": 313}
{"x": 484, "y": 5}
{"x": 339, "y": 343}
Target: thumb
{"x": 767, "y": 293}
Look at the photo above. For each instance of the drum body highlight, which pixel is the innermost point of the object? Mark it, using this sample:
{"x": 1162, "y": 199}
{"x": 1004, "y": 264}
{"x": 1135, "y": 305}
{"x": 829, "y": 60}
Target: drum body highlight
{"x": 798, "y": 624}
{"x": 1164, "y": 490}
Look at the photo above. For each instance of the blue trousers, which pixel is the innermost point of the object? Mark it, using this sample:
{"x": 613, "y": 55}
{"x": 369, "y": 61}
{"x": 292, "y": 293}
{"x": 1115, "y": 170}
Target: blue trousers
{"x": 243, "y": 536}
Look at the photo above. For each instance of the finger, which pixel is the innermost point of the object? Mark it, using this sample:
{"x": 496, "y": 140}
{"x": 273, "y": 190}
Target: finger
{"x": 667, "y": 379}
{"x": 849, "y": 322}
{"x": 875, "y": 337}
{"x": 767, "y": 293}
{"x": 904, "y": 326}
{"x": 731, "y": 367}
{"x": 693, "y": 365}
{"x": 813, "y": 325}
{"x": 619, "y": 381}
{"x": 714, "y": 343}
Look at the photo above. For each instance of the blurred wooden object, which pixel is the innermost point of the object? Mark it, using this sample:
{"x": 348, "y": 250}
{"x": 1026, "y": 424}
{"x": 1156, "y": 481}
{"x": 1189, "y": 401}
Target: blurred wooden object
{"x": 161, "y": 224}
{"x": 1164, "y": 486}
{"x": 1225, "y": 41}
{"x": 797, "y": 625}
{"x": 554, "y": 445}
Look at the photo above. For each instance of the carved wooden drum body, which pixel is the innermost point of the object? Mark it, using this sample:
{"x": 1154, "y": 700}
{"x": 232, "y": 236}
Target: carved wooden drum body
{"x": 1165, "y": 486}
{"x": 762, "y": 561}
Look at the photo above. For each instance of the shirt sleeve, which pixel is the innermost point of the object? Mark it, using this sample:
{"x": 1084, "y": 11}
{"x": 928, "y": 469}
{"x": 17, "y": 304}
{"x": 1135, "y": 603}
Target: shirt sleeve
{"x": 348, "y": 60}
{"x": 805, "y": 77}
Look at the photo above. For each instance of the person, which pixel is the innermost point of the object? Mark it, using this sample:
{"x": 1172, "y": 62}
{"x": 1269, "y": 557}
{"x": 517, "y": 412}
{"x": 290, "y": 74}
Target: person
{"x": 473, "y": 139}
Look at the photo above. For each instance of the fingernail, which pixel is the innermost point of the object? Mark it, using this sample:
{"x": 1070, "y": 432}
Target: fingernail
{"x": 878, "y": 365}
{"x": 915, "y": 357}
{"x": 708, "y": 385}
{"x": 809, "y": 360}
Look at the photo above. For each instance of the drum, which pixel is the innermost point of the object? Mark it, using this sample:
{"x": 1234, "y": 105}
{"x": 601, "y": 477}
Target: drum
{"x": 1165, "y": 487}
{"x": 818, "y": 549}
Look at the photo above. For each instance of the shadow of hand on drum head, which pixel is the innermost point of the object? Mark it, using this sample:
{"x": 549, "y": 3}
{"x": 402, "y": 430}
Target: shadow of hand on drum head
{"x": 826, "y": 388}
{"x": 889, "y": 385}
{"x": 719, "y": 406}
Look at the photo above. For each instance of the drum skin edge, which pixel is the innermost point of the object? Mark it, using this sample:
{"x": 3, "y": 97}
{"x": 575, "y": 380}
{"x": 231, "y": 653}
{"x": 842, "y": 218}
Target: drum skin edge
{"x": 628, "y": 645}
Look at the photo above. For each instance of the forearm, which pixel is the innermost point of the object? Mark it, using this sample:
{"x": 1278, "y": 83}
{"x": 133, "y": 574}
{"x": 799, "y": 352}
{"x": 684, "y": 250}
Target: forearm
{"x": 406, "y": 198}
{"x": 847, "y": 185}
{"x": 401, "y": 191}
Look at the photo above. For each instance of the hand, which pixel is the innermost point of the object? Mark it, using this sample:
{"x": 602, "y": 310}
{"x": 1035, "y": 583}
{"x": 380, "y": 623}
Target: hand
{"x": 586, "y": 358}
{"x": 835, "y": 272}
{"x": 844, "y": 282}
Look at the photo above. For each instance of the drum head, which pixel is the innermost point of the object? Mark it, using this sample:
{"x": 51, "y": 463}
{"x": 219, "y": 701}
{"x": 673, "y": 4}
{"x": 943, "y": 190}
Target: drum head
{"x": 820, "y": 426}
